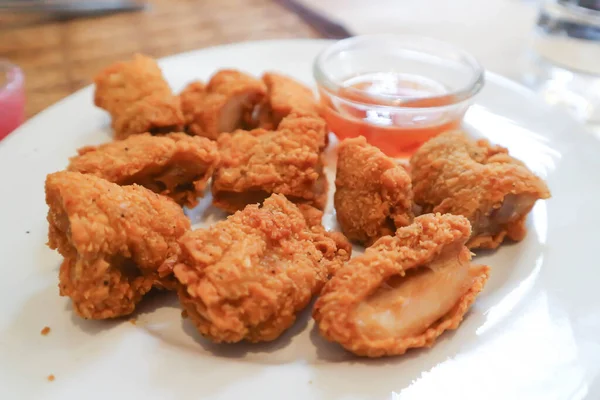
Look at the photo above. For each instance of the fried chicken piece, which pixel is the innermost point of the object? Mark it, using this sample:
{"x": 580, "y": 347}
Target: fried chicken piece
{"x": 322, "y": 239}
{"x": 118, "y": 242}
{"x": 138, "y": 98}
{"x": 245, "y": 278}
{"x": 456, "y": 175}
{"x": 284, "y": 96}
{"x": 404, "y": 291}
{"x": 175, "y": 165}
{"x": 373, "y": 194}
{"x": 255, "y": 164}
{"x": 222, "y": 105}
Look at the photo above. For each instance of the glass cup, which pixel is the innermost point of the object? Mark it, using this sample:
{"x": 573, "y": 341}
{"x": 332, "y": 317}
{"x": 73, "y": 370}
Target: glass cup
{"x": 12, "y": 98}
{"x": 397, "y": 91}
{"x": 564, "y": 62}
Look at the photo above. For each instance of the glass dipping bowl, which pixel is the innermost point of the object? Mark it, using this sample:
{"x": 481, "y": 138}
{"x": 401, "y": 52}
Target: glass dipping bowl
{"x": 397, "y": 91}
{"x": 12, "y": 98}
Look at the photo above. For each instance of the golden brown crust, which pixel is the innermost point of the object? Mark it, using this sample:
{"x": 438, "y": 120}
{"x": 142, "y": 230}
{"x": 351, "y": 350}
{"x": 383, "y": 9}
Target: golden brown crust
{"x": 222, "y": 105}
{"x": 285, "y": 96}
{"x": 101, "y": 289}
{"x": 174, "y": 165}
{"x": 373, "y": 195}
{"x": 117, "y": 241}
{"x": 413, "y": 246}
{"x": 246, "y": 278}
{"x": 256, "y": 163}
{"x": 154, "y": 114}
{"x": 138, "y": 98}
{"x": 453, "y": 174}
{"x": 338, "y": 251}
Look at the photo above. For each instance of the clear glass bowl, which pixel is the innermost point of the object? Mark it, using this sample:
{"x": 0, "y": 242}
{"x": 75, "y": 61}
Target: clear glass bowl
{"x": 397, "y": 91}
{"x": 12, "y": 97}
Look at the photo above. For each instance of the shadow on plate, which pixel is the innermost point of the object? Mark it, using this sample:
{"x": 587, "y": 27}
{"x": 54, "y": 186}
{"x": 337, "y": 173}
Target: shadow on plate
{"x": 155, "y": 300}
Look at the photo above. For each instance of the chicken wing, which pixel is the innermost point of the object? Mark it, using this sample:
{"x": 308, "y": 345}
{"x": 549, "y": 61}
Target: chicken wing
{"x": 175, "y": 165}
{"x": 246, "y": 278}
{"x": 118, "y": 242}
{"x": 284, "y": 96}
{"x": 138, "y": 98}
{"x": 255, "y": 164}
{"x": 453, "y": 174}
{"x": 404, "y": 291}
{"x": 373, "y": 194}
{"x": 221, "y": 106}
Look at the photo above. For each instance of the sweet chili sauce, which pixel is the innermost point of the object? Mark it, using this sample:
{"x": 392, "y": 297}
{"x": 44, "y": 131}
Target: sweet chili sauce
{"x": 368, "y": 105}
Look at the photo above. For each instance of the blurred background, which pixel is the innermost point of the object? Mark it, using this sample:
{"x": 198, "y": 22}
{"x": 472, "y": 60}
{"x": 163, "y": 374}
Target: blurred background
{"x": 59, "y": 52}
{"x": 60, "y": 55}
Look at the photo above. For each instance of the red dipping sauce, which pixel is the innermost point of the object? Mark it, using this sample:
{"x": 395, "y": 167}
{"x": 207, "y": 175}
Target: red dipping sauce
{"x": 396, "y": 91}
{"x": 12, "y": 98}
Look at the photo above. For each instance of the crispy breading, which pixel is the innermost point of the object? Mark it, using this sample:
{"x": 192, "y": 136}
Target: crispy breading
{"x": 323, "y": 238}
{"x": 245, "y": 278}
{"x": 118, "y": 242}
{"x": 223, "y": 105}
{"x": 373, "y": 194}
{"x": 404, "y": 291}
{"x": 154, "y": 114}
{"x": 284, "y": 96}
{"x": 138, "y": 98}
{"x": 256, "y": 163}
{"x": 175, "y": 165}
{"x": 454, "y": 174}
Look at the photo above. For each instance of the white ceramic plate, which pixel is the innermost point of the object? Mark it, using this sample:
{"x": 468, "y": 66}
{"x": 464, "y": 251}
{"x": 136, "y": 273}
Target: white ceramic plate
{"x": 534, "y": 333}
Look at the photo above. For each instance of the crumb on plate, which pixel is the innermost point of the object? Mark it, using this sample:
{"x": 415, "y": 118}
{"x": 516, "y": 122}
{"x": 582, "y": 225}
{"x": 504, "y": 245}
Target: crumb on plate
{"x": 45, "y": 331}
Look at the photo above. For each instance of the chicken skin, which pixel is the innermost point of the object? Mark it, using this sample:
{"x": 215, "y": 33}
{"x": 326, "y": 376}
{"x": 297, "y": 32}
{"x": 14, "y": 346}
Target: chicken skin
{"x": 255, "y": 164}
{"x": 284, "y": 96}
{"x": 174, "y": 165}
{"x": 117, "y": 242}
{"x": 245, "y": 278}
{"x": 373, "y": 195}
{"x": 138, "y": 98}
{"x": 404, "y": 291}
{"x": 454, "y": 174}
{"x": 223, "y": 105}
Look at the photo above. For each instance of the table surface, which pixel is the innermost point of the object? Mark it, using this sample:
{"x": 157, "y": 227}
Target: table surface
{"x": 60, "y": 57}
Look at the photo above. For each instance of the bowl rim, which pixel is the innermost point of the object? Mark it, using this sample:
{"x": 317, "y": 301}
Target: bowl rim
{"x": 464, "y": 93}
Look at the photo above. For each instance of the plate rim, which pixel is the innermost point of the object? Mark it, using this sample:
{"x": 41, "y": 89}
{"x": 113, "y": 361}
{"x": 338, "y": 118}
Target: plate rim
{"x": 489, "y": 76}
{"x": 497, "y": 79}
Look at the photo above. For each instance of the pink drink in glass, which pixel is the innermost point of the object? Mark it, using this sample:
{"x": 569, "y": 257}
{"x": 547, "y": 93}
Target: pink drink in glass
{"x": 12, "y": 98}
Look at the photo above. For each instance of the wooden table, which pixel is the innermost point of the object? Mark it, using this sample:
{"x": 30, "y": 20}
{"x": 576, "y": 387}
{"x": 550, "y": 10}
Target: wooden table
{"x": 59, "y": 57}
